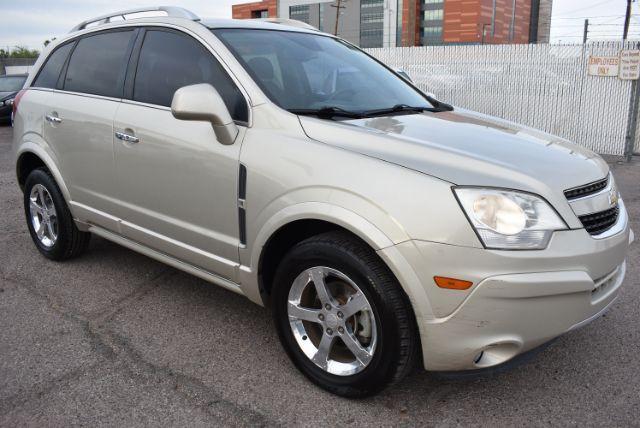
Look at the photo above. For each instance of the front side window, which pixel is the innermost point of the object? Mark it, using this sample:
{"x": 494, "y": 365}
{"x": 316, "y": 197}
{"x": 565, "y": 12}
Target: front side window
{"x": 50, "y": 72}
{"x": 168, "y": 61}
{"x": 302, "y": 71}
{"x": 98, "y": 64}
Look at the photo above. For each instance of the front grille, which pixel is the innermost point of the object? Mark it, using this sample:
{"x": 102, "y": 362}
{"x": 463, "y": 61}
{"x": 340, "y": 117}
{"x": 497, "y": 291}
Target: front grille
{"x": 599, "y": 222}
{"x": 587, "y": 189}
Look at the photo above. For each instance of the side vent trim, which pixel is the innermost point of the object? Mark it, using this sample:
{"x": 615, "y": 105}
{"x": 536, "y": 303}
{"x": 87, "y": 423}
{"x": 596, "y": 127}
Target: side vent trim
{"x": 242, "y": 195}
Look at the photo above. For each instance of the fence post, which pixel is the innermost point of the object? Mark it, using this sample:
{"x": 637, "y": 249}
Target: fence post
{"x": 632, "y": 120}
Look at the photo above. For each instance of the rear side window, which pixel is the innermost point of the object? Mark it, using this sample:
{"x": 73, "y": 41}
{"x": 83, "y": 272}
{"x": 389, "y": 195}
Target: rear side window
{"x": 98, "y": 64}
{"x": 169, "y": 61}
{"x": 50, "y": 72}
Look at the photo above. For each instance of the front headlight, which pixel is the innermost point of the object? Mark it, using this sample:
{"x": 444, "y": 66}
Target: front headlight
{"x": 509, "y": 220}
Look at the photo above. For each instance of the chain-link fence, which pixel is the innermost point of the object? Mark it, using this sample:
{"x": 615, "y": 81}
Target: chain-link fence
{"x": 542, "y": 86}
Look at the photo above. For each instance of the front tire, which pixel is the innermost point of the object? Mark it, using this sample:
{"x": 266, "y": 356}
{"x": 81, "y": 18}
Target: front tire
{"x": 49, "y": 220}
{"x": 342, "y": 317}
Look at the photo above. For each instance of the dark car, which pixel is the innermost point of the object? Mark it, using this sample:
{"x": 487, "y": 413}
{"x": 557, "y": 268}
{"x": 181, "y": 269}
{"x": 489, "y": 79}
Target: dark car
{"x": 9, "y": 87}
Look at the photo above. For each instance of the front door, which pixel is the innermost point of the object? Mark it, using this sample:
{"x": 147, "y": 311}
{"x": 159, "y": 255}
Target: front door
{"x": 177, "y": 185}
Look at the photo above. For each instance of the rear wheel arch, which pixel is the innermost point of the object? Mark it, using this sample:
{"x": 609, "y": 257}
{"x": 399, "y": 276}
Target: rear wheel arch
{"x": 33, "y": 156}
{"x": 27, "y": 162}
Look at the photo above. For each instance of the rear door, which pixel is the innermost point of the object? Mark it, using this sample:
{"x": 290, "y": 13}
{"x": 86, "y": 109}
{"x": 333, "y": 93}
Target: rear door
{"x": 177, "y": 185}
{"x": 38, "y": 100}
{"x": 79, "y": 120}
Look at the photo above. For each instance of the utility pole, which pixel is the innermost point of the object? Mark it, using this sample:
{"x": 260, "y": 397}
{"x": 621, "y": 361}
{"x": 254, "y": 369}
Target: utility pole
{"x": 627, "y": 19}
{"x": 586, "y": 32}
{"x": 338, "y": 6}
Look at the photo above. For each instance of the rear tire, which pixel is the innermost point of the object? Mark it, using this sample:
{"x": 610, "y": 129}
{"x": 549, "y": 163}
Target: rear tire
{"x": 366, "y": 350}
{"x": 49, "y": 220}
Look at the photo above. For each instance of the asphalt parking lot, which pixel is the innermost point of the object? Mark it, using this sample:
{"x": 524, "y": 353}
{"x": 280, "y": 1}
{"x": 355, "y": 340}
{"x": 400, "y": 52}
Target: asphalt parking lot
{"x": 115, "y": 338}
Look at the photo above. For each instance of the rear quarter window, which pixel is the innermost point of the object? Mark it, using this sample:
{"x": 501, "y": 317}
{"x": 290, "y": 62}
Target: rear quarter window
{"x": 98, "y": 64}
{"x": 50, "y": 71}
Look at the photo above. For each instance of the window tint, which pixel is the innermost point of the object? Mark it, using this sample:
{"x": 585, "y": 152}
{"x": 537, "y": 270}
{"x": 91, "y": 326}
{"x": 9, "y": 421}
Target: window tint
{"x": 310, "y": 71}
{"x": 169, "y": 61}
{"x": 98, "y": 64}
{"x": 50, "y": 72}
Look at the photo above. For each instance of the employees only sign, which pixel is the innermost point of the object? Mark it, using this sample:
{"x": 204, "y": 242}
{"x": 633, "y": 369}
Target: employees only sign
{"x": 626, "y": 65}
{"x": 604, "y": 66}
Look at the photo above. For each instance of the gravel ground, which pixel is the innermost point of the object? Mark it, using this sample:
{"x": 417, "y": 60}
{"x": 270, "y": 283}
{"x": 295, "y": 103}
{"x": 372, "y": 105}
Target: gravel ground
{"x": 115, "y": 338}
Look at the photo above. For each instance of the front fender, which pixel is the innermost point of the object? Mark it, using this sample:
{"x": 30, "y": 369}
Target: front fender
{"x": 350, "y": 221}
{"x": 347, "y": 219}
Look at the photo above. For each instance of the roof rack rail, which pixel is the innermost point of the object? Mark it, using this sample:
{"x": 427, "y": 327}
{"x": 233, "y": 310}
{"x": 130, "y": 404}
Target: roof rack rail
{"x": 171, "y": 11}
{"x": 288, "y": 22}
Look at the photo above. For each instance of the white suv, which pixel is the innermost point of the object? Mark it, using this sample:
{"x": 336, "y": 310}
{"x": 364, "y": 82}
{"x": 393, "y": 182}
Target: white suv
{"x": 381, "y": 225}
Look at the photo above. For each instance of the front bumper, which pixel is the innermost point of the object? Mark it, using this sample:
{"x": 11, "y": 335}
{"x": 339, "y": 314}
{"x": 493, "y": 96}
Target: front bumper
{"x": 520, "y": 299}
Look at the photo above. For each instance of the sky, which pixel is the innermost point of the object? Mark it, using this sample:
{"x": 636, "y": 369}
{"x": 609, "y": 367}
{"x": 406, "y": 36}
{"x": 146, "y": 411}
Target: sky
{"x": 31, "y": 22}
{"x": 606, "y": 20}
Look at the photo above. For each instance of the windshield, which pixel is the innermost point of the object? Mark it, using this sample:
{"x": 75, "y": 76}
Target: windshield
{"x": 301, "y": 71}
{"x": 11, "y": 83}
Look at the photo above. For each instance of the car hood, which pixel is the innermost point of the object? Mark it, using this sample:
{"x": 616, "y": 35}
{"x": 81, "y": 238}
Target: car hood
{"x": 7, "y": 95}
{"x": 466, "y": 148}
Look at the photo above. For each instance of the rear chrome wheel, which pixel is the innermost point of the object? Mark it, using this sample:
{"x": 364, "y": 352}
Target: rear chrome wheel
{"x": 44, "y": 218}
{"x": 49, "y": 220}
{"x": 332, "y": 321}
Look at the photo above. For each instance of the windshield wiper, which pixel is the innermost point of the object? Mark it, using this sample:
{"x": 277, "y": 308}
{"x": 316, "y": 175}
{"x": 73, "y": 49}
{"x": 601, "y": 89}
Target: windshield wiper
{"x": 403, "y": 108}
{"x": 398, "y": 108}
{"x": 327, "y": 112}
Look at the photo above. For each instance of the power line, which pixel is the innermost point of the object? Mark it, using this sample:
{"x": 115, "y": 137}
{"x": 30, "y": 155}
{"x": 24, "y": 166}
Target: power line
{"x": 588, "y": 7}
{"x": 593, "y": 25}
{"x": 589, "y": 17}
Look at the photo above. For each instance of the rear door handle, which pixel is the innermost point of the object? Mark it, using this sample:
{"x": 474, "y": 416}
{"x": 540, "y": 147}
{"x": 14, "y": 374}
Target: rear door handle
{"x": 126, "y": 137}
{"x": 53, "y": 119}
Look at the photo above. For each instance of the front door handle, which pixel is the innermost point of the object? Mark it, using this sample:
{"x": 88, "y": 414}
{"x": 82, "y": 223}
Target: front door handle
{"x": 53, "y": 119}
{"x": 126, "y": 137}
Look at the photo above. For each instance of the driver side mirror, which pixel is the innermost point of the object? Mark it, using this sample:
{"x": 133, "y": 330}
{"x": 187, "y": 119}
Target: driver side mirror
{"x": 202, "y": 102}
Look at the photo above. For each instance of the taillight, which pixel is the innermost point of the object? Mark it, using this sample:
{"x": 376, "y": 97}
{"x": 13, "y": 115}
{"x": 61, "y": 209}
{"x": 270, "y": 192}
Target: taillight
{"x": 16, "y": 100}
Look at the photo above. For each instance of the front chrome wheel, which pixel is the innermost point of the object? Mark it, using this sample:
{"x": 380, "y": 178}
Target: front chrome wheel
{"x": 44, "y": 218}
{"x": 332, "y": 321}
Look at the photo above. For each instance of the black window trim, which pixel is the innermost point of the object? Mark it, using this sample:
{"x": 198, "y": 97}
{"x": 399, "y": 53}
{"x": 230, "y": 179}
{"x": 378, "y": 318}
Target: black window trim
{"x": 133, "y": 69}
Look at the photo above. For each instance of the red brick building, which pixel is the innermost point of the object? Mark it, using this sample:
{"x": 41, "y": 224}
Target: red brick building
{"x": 427, "y": 22}
{"x": 259, "y": 9}
{"x": 417, "y": 22}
